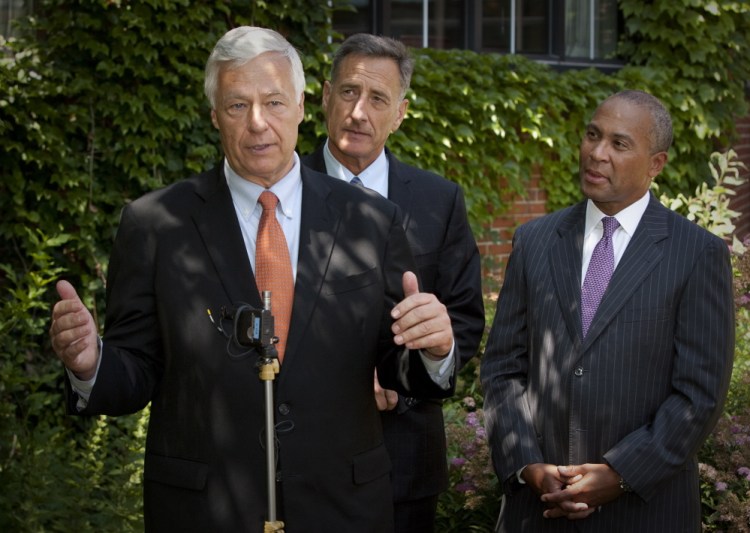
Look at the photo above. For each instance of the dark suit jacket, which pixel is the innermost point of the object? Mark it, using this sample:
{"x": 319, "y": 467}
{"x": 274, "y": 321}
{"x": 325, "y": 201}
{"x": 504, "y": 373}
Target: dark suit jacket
{"x": 178, "y": 252}
{"x": 434, "y": 217}
{"x": 641, "y": 392}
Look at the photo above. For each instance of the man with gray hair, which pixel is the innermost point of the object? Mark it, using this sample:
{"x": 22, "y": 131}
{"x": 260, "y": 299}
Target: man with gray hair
{"x": 364, "y": 102}
{"x": 345, "y": 301}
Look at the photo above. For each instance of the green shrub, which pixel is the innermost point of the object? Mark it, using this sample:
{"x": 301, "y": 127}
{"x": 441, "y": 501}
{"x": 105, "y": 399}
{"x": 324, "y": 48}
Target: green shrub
{"x": 725, "y": 458}
{"x": 101, "y": 101}
{"x": 472, "y": 501}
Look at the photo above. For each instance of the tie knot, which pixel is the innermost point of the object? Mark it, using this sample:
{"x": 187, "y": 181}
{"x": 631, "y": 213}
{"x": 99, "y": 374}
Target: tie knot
{"x": 268, "y": 200}
{"x": 356, "y": 181}
{"x": 610, "y": 225}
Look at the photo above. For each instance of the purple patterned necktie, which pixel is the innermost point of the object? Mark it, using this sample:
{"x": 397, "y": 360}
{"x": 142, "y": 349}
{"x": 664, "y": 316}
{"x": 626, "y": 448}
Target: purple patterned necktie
{"x": 600, "y": 269}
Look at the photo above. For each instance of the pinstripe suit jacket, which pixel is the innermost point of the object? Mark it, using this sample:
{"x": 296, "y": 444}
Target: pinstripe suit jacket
{"x": 641, "y": 392}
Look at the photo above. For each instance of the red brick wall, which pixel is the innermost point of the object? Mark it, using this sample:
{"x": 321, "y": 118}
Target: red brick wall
{"x": 495, "y": 245}
{"x": 741, "y": 202}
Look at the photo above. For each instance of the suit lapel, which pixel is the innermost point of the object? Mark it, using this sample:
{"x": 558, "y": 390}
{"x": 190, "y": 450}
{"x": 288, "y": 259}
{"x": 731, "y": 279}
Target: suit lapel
{"x": 399, "y": 189}
{"x": 318, "y": 229}
{"x": 565, "y": 265}
{"x": 224, "y": 242}
{"x": 316, "y": 160}
{"x": 641, "y": 256}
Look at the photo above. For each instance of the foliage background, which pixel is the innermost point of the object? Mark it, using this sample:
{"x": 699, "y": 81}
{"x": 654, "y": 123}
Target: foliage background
{"x": 101, "y": 100}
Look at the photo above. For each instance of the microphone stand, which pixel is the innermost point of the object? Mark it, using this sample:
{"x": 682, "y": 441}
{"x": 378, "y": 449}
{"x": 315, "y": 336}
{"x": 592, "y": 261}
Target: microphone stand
{"x": 268, "y": 366}
{"x": 255, "y": 328}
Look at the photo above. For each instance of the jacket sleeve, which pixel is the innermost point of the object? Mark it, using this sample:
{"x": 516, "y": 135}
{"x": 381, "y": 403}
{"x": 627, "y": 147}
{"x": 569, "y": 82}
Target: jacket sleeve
{"x": 504, "y": 375}
{"x": 702, "y": 366}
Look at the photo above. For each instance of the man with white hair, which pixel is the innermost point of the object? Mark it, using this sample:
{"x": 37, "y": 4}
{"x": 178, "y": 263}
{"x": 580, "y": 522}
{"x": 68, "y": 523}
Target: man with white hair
{"x": 354, "y": 305}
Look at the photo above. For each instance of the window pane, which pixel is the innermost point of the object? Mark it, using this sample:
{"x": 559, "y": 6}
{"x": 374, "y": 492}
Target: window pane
{"x": 406, "y": 22}
{"x": 446, "y": 24}
{"x": 578, "y": 30}
{"x": 10, "y": 10}
{"x": 351, "y": 22}
{"x": 532, "y": 27}
{"x": 606, "y": 29}
{"x": 496, "y": 26}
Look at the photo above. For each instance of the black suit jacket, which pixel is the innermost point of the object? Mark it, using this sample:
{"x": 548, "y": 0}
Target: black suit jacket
{"x": 641, "y": 391}
{"x": 178, "y": 252}
{"x": 438, "y": 231}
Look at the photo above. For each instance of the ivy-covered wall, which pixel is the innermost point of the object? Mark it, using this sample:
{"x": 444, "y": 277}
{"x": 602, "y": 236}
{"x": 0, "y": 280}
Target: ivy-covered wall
{"x": 101, "y": 100}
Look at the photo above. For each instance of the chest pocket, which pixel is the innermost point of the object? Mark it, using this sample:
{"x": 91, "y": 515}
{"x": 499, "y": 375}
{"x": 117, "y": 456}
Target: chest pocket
{"x": 351, "y": 283}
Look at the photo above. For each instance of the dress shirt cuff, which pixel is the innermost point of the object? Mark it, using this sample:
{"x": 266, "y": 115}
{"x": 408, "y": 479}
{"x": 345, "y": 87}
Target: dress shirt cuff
{"x": 81, "y": 387}
{"x": 441, "y": 370}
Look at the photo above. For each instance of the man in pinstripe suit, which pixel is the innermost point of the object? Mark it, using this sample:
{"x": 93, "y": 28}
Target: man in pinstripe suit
{"x": 599, "y": 432}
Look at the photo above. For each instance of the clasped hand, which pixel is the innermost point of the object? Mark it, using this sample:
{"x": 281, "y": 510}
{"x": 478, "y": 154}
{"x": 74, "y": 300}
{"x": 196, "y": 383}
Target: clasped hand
{"x": 574, "y": 491}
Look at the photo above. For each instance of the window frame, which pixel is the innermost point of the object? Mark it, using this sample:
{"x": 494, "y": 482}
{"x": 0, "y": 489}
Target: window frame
{"x": 380, "y": 17}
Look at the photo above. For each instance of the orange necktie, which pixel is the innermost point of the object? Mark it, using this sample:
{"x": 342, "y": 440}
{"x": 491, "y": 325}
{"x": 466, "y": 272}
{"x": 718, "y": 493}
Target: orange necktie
{"x": 274, "y": 268}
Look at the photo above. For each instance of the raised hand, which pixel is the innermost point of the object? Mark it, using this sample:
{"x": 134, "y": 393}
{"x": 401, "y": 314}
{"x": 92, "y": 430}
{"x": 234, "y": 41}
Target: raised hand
{"x": 73, "y": 333}
{"x": 421, "y": 322}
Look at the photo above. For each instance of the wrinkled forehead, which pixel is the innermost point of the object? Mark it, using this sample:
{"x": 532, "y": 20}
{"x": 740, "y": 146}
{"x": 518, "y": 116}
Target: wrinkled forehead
{"x": 381, "y": 72}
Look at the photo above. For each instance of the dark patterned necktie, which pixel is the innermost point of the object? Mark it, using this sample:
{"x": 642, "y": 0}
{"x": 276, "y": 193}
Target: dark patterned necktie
{"x": 600, "y": 270}
{"x": 356, "y": 181}
{"x": 274, "y": 268}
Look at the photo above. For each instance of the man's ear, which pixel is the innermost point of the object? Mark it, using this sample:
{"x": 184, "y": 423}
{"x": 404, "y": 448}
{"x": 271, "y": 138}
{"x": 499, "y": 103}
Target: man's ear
{"x": 658, "y": 160}
{"x": 214, "y": 120}
{"x": 326, "y": 95}
{"x": 301, "y": 108}
{"x": 402, "y": 106}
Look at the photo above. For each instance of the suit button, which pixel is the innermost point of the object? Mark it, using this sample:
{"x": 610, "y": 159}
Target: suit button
{"x": 579, "y": 371}
{"x": 284, "y": 409}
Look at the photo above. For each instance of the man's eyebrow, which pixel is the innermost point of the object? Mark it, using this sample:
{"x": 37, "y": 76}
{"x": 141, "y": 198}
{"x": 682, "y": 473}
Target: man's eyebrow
{"x": 622, "y": 136}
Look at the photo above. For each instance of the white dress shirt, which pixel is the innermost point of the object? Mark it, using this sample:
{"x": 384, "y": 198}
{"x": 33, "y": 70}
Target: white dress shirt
{"x": 245, "y": 196}
{"x": 374, "y": 177}
{"x": 629, "y": 218}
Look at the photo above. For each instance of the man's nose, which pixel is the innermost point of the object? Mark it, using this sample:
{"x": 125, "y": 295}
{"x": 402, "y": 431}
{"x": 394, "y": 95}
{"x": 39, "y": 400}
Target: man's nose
{"x": 360, "y": 109}
{"x": 256, "y": 119}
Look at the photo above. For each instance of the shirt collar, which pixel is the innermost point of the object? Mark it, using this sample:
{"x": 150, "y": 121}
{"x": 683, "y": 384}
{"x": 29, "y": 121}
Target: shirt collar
{"x": 245, "y": 193}
{"x": 629, "y": 218}
{"x": 369, "y": 176}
